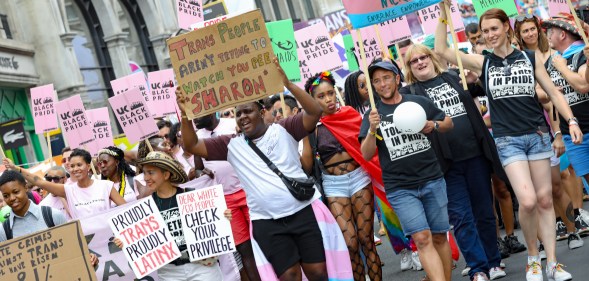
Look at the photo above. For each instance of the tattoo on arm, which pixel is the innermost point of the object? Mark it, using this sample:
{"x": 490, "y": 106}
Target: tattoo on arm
{"x": 36, "y": 179}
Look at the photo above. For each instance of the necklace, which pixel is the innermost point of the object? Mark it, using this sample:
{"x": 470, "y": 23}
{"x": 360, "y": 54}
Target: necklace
{"x": 160, "y": 201}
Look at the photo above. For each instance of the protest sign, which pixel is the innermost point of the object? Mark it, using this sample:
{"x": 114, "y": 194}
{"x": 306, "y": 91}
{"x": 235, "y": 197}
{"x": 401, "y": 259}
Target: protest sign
{"x": 430, "y": 17}
{"x": 350, "y": 55}
{"x": 189, "y": 12}
{"x": 74, "y": 123}
{"x": 557, "y": 6}
{"x": 101, "y": 128}
{"x": 370, "y": 44}
{"x": 368, "y": 12}
{"x": 395, "y": 30}
{"x": 13, "y": 134}
{"x": 135, "y": 80}
{"x": 208, "y": 22}
{"x": 316, "y": 51}
{"x": 336, "y": 22}
{"x": 44, "y": 115}
{"x": 226, "y": 64}
{"x": 214, "y": 10}
{"x": 147, "y": 242}
{"x": 284, "y": 45}
{"x": 58, "y": 253}
{"x": 133, "y": 115}
{"x": 207, "y": 231}
{"x": 508, "y": 6}
{"x": 163, "y": 92}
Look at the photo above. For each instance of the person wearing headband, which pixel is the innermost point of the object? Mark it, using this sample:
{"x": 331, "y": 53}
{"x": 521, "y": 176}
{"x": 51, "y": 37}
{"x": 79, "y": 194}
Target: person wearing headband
{"x": 113, "y": 167}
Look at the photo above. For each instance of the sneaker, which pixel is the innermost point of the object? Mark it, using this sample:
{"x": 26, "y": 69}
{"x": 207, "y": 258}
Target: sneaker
{"x": 503, "y": 249}
{"x": 575, "y": 241}
{"x": 584, "y": 214}
{"x": 466, "y": 270}
{"x": 581, "y": 225}
{"x": 416, "y": 262}
{"x": 534, "y": 272}
{"x": 514, "y": 245}
{"x": 406, "y": 262}
{"x": 561, "y": 230}
{"x": 541, "y": 252}
{"x": 479, "y": 276}
{"x": 556, "y": 273}
{"x": 377, "y": 241}
{"x": 496, "y": 273}
{"x": 502, "y": 265}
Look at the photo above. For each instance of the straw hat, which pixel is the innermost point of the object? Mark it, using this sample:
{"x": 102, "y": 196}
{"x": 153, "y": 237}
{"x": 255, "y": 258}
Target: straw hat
{"x": 563, "y": 21}
{"x": 165, "y": 162}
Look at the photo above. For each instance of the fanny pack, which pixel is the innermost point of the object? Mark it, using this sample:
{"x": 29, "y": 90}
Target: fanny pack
{"x": 301, "y": 189}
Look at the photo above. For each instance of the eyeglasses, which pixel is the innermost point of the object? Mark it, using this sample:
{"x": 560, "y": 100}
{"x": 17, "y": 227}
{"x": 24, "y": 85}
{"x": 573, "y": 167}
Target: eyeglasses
{"x": 418, "y": 59}
{"x": 275, "y": 112}
{"x": 523, "y": 18}
{"x": 54, "y": 179}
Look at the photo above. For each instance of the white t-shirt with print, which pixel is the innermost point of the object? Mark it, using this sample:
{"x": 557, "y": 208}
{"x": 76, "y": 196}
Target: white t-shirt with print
{"x": 85, "y": 202}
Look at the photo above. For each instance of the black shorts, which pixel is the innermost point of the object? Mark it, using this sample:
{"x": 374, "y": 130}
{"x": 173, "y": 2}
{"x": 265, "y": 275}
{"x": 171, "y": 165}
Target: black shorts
{"x": 290, "y": 240}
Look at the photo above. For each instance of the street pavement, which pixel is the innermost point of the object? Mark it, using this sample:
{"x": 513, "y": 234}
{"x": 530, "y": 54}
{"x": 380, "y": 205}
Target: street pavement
{"x": 576, "y": 261}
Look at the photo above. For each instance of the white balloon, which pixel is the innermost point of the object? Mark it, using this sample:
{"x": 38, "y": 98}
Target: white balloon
{"x": 409, "y": 117}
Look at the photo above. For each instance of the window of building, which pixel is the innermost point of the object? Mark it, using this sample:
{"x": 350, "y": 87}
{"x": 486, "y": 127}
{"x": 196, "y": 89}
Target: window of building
{"x": 139, "y": 47}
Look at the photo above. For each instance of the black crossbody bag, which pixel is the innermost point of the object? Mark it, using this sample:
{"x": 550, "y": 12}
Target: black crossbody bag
{"x": 301, "y": 189}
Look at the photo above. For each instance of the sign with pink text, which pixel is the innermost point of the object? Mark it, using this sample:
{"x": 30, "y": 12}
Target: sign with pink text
{"x": 372, "y": 47}
{"x": 101, "y": 127}
{"x": 189, "y": 12}
{"x": 207, "y": 231}
{"x": 133, "y": 115}
{"x": 395, "y": 30}
{"x": 163, "y": 92}
{"x": 135, "y": 80}
{"x": 316, "y": 51}
{"x": 44, "y": 116}
{"x": 557, "y": 6}
{"x": 73, "y": 121}
{"x": 430, "y": 17}
{"x": 147, "y": 242}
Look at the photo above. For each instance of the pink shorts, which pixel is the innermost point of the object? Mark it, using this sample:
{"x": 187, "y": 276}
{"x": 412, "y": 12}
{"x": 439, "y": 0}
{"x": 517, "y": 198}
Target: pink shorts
{"x": 240, "y": 216}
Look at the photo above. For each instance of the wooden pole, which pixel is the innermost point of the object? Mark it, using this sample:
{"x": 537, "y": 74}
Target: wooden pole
{"x": 364, "y": 68}
{"x": 339, "y": 96}
{"x": 455, "y": 45}
{"x": 383, "y": 49}
{"x": 2, "y": 152}
{"x": 283, "y": 105}
{"x": 50, "y": 149}
{"x": 579, "y": 25}
{"x": 148, "y": 145}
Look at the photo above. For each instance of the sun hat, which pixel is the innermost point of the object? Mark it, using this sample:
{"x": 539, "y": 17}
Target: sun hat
{"x": 165, "y": 162}
{"x": 564, "y": 21}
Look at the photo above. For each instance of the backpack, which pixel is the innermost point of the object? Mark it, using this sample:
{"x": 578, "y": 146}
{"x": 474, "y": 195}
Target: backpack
{"x": 47, "y": 217}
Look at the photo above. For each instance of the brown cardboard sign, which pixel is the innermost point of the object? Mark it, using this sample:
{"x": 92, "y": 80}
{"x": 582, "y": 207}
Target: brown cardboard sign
{"x": 58, "y": 253}
{"x": 225, "y": 64}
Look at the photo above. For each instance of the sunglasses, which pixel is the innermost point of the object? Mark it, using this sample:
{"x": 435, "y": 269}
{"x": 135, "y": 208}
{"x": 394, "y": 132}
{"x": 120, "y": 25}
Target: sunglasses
{"x": 54, "y": 179}
{"x": 277, "y": 111}
{"x": 418, "y": 59}
{"x": 523, "y": 18}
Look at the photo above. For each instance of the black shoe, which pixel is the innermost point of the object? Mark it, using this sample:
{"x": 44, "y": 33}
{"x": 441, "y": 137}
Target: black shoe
{"x": 561, "y": 230}
{"x": 514, "y": 245}
{"x": 503, "y": 250}
{"x": 581, "y": 225}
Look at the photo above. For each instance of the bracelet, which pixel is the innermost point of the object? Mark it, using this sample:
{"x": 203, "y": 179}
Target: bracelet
{"x": 557, "y": 133}
{"x": 444, "y": 21}
{"x": 375, "y": 135}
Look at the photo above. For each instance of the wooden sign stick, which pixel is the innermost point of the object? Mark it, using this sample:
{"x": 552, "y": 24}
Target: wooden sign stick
{"x": 455, "y": 45}
{"x": 50, "y": 149}
{"x": 579, "y": 25}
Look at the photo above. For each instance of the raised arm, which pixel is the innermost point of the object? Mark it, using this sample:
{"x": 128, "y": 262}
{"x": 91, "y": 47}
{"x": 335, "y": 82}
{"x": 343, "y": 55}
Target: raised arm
{"x": 368, "y": 145}
{"x": 56, "y": 189}
{"x": 472, "y": 62}
{"x": 191, "y": 142}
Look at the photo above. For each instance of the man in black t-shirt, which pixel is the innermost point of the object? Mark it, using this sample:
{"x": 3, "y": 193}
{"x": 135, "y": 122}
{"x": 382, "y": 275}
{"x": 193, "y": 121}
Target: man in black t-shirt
{"x": 412, "y": 177}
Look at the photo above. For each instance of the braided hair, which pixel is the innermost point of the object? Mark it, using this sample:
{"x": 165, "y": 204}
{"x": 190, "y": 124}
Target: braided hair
{"x": 351, "y": 93}
{"x": 118, "y": 155}
{"x": 317, "y": 79}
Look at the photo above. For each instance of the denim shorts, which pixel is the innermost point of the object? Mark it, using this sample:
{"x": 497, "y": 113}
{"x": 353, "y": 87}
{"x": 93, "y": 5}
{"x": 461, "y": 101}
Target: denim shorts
{"x": 345, "y": 185}
{"x": 422, "y": 208}
{"x": 528, "y": 147}
{"x": 578, "y": 154}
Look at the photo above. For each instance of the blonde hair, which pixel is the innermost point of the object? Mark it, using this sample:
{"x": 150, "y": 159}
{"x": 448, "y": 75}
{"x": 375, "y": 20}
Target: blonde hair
{"x": 420, "y": 49}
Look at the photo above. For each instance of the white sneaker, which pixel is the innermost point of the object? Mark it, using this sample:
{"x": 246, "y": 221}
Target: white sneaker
{"x": 575, "y": 241}
{"x": 584, "y": 215}
{"x": 496, "y": 273}
{"x": 479, "y": 276}
{"x": 502, "y": 265}
{"x": 406, "y": 262}
{"x": 556, "y": 273}
{"x": 465, "y": 271}
{"x": 534, "y": 271}
{"x": 416, "y": 262}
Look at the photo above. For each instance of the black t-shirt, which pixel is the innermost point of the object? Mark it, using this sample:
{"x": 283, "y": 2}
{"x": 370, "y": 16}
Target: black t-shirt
{"x": 461, "y": 138}
{"x": 407, "y": 160}
{"x": 579, "y": 102}
{"x": 171, "y": 214}
{"x": 510, "y": 86}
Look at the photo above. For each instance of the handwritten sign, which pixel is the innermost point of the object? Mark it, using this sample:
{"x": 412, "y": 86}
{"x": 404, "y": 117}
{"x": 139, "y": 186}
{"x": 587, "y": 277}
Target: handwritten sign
{"x": 189, "y": 12}
{"x": 44, "y": 115}
{"x": 368, "y": 12}
{"x": 316, "y": 51}
{"x": 395, "y": 30}
{"x": 430, "y": 17}
{"x": 147, "y": 242}
{"x": 558, "y": 6}
{"x": 207, "y": 231}
{"x": 508, "y": 6}
{"x": 284, "y": 45}
{"x": 226, "y": 64}
{"x": 133, "y": 115}
{"x": 370, "y": 43}
{"x": 162, "y": 88}
{"x": 100, "y": 121}
{"x": 74, "y": 123}
{"x": 58, "y": 253}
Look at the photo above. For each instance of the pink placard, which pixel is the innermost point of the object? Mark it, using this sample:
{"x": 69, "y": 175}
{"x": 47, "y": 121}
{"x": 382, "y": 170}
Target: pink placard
{"x": 372, "y": 47}
{"x": 162, "y": 88}
{"x": 100, "y": 121}
{"x": 135, "y": 80}
{"x": 558, "y": 6}
{"x": 395, "y": 30}
{"x": 74, "y": 123}
{"x": 43, "y": 100}
{"x": 316, "y": 51}
{"x": 430, "y": 17}
{"x": 189, "y": 12}
{"x": 133, "y": 115}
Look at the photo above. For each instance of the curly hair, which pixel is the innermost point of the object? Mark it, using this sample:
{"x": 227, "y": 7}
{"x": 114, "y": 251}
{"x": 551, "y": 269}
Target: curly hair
{"x": 82, "y": 153}
{"x": 119, "y": 155}
{"x": 319, "y": 77}
{"x": 10, "y": 176}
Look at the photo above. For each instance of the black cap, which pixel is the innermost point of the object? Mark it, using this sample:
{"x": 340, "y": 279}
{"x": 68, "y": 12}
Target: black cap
{"x": 386, "y": 65}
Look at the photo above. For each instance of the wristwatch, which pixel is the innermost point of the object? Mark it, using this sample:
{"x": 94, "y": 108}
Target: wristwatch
{"x": 573, "y": 121}
{"x": 436, "y": 126}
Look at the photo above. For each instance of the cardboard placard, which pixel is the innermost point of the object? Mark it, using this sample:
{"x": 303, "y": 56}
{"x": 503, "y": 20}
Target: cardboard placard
{"x": 135, "y": 80}
{"x": 285, "y": 47}
{"x": 147, "y": 242}
{"x": 316, "y": 51}
{"x": 189, "y": 12}
{"x": 370, "y": 43}
{"x": 557, "y": 6}
{"x": 133, "y": 115}
{"x": 74, "y": 123}
{"x": 207, "y": 231}
{"x": 430, "y": 17}
{"x": 225, "y": 64}
{"x": 101, "y": 128}
{"x": 163, "y": 92}
{"x": 44, "y": 115}
{"x": 368, "y": 12}
{"x": 508, "y": 6}
{"x": 395, "y": 30}
{"x": 58, "y": 253}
